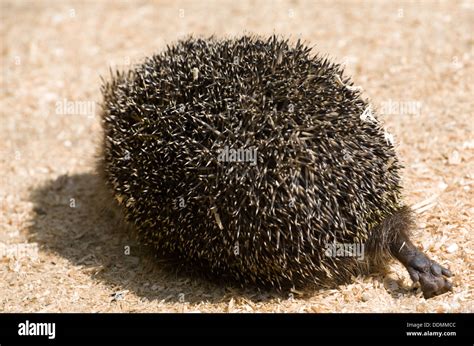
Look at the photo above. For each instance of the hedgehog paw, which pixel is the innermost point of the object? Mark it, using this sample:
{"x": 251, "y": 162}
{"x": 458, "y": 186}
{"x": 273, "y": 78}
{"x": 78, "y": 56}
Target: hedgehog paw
{"x": 431, "y": 275}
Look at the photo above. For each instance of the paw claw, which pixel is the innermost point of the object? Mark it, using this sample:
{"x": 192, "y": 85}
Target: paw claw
{"x": 446, "y": 272}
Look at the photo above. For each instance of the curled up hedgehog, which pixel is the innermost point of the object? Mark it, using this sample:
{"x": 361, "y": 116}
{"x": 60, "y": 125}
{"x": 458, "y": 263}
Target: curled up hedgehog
{"x": 253, "y": 159}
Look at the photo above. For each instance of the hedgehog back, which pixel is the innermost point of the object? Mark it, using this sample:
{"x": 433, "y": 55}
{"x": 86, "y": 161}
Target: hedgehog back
{"x": 322, "y": 174}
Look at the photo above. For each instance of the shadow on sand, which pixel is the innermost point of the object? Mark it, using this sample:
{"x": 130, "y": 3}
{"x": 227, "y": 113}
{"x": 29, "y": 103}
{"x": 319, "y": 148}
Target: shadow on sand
{"x": 69, "y": 220}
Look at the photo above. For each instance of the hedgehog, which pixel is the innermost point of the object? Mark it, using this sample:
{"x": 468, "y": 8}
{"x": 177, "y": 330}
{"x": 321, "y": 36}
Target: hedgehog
{"x": 254, "y": 159}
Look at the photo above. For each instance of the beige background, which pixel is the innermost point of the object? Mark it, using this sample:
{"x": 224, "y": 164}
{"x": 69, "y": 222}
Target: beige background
{"x": 59, "y": 253}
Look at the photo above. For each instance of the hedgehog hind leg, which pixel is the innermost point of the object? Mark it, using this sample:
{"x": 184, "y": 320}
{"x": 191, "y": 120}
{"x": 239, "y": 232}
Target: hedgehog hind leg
{"x": 393, "y": 238}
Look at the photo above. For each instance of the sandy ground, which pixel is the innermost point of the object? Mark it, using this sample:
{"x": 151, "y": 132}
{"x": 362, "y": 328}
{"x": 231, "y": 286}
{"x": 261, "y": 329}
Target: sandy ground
{"x": 58, "y": 252}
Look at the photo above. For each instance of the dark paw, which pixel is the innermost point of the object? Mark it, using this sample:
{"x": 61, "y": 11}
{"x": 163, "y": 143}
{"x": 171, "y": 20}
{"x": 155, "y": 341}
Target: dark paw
{"x": 431, "y": 275}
